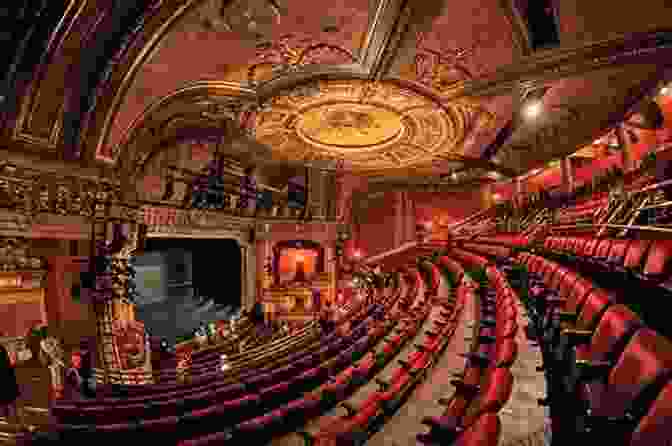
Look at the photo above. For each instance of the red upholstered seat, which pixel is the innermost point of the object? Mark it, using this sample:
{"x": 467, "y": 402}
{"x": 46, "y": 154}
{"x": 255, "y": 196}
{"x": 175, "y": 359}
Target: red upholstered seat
{"x": 659, "y": 259}
{"x": 596, "y": 303}
{"x": 655, "y": 428}
{"x": 613, "y": 332}
{"x": 484, "y": 432}
{"x": 582, "y": 288}
{"x": 646, "y": 359}
{"x": 506, "y": 351}
{"x": 567, "y": 284}
{"x": 603, "y": 248}
{"x": 635, "y": 254}
{"x": 618, "y": 250}
{"x": 589, "y": 247}
{"x": 557, "y": 278}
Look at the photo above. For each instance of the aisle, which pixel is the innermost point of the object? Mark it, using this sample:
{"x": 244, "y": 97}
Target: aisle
{"x": 402, "y": 427}
{"x": 522, "y": 418}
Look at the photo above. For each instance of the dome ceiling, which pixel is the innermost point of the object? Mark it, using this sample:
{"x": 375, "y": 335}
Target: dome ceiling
{"x": 371, "y": 127}
{"x": 388, "y": 88}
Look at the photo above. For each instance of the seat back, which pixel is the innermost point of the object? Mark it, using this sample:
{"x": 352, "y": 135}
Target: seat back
{"x": 613, "y": 332}
{"x": 567, "y": 284}
{"x": 557, "y": 278}
{"x": 589, "y": 247}
{"x": 483, "y": 432}
{"x": 595, "y": 305}
{"x": 579, "y": 244}
{"x": 618, "y": 250}
{"x": 494, "y": 394}
{"x": 582, "y": 288}
{"x": 506, "y": 352}
{"x": 636, "y": 252}
{"x": 603, "y": 248}
{"x": 646, "y": 360}
{"x": 655, "y": 428}
{"x": 659, "y": 260}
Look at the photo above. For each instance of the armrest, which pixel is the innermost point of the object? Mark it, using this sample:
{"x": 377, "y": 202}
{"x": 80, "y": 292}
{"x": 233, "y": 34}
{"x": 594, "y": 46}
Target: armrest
{"x": 567, "y": 316}
{"x": 465, "y": 389}
{"x": 555, "y": 300}
{"x": 404, "y": 364}
{"x": 383, "y": 385}
{"x": 591, "y": 370}
{"x": 488, "y": 322}
{"x": 308, "y": 439}
{"x": 444, "y": 423}
{"x": 576, "y": 337}
{"x": 486, "y": 339}
{"x": 351, "y": 411}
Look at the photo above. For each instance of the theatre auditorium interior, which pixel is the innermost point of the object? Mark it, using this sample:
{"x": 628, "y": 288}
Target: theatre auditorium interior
{"x": 343, "y": 223}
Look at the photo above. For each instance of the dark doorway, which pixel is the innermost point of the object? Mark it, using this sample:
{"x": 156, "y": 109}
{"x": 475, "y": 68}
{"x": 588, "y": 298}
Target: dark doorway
{"x": 184, "y": 283}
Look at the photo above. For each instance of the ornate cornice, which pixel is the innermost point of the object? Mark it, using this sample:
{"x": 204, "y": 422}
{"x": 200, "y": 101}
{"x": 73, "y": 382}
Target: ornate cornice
{"x": 521, "y": 36}
{"x": 545, "y": 67}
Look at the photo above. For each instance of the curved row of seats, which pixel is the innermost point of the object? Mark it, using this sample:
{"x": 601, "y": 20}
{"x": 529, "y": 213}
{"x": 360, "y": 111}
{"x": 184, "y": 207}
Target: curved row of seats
{"x": 647, "y": 260}
{"x": 356, "y": 426}
{"x": 510, "y": 240}
{"x": 488, "y": 250}
{"x": 191, "y": 397}
{"x": 608, "y": 373}
{"x": 249, "y": 400}
{"x": 296, "y": 412}
{"x": 583, "y": 210}
{"x": 486, "y": 384}
{"x": 268, "y": 357}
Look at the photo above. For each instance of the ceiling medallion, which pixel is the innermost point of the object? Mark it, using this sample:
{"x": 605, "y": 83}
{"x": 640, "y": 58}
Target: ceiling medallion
{"x": 371, "y": 129}
{"x": 350, "y": 126}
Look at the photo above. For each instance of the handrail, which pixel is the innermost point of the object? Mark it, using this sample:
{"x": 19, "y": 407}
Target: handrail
{"x": 405, "y": 247}
{"x": 466, "y": 220}
{"x": 612, "y": 226}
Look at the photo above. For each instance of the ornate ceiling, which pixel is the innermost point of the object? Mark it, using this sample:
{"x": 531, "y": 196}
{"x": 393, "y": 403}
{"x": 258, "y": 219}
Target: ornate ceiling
{"x": 372, "y": 127}
{"x": 389, "y": 88}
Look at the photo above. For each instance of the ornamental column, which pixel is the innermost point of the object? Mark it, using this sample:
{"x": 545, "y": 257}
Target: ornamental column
{"x": 123, "y": 353}
{"x": 398, "y": 220}
{"x": 567, "y": 172}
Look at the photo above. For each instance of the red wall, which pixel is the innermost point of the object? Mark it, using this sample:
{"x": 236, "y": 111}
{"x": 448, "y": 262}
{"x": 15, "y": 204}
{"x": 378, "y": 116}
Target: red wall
{"x": 446, "y": 208}
{"x": 376, "y": 233}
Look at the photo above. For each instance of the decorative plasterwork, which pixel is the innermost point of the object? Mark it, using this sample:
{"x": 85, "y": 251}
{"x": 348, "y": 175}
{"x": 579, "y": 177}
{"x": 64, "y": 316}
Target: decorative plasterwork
{"x": 371, "y": 126}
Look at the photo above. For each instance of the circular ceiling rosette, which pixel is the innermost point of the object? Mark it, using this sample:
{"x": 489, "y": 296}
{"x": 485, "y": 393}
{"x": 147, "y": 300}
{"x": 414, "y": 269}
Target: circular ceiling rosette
{"x": 374, "y": 126}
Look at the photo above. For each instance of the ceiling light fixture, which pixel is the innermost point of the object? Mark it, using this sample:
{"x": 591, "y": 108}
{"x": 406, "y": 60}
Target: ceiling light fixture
{"x": 532, "y": 104}
{"x": 533, "y": 109}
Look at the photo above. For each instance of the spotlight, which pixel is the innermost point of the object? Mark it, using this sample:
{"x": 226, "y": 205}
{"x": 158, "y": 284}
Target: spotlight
{"x": 533, "y": 109}
{"x": 665, "y": 91}
{"x": 532, "y": 102}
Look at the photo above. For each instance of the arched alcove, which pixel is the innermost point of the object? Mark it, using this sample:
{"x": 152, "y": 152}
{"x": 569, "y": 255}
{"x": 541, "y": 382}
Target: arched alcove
{"x": 310, "y": 251}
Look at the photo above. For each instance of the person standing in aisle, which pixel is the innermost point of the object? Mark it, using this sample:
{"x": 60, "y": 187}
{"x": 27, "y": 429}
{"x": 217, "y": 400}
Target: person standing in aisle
{"x": 9, "y": 387}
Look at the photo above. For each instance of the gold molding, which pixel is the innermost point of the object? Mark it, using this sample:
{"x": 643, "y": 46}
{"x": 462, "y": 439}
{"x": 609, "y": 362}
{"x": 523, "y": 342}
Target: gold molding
{"x": 519, "y": 32}
{"x": 150, "y": 46}
{"x": 34, "y": 91}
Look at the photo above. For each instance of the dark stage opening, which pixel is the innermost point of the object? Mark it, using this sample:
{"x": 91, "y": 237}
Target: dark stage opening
{"x": 184, "y": 283}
